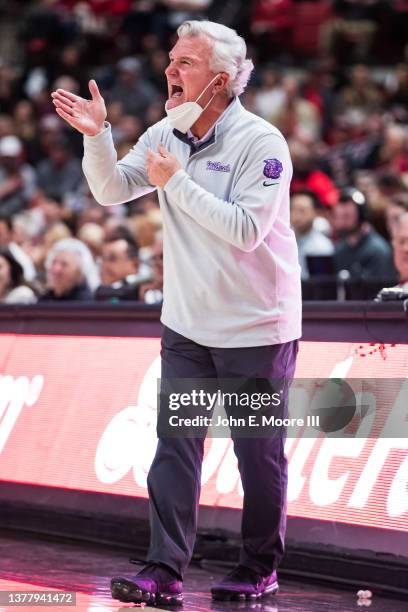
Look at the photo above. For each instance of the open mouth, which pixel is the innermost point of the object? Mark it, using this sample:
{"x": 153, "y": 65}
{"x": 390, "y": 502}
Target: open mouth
{"x": 176, "y": 91}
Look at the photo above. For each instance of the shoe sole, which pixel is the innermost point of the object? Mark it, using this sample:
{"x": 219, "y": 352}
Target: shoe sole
{"x": 227, "y": 595}
{"x": 128, "y": 592}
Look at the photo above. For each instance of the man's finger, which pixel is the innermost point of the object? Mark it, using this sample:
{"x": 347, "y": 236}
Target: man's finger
{"x": 152, "y": 155}
{"x": 68, "y": 94}
{"x": 93, "y": 88}
{"x": 67, "y": 109}
{"x": 163, "y": 151}
{"x": 65, "y": 116}
{"x": 63, "y": 99}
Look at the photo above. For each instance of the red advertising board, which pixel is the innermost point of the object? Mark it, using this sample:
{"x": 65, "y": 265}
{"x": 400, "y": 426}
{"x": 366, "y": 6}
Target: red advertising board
{"x": 80, "y": 413}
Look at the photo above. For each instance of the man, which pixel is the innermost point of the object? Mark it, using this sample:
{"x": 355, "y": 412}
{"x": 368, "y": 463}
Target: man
{"x": 71, "y": 272}
{"x": 400, "y": 244}
{"x": 119, "y": 269}
{"x": 232, "y": 306}
{"x": 303, "y": 212}
{"x": 360, "y": 250}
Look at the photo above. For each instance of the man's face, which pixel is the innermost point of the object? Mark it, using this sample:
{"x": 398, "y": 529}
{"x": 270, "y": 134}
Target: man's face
{"x": 116, "y": 263}
{"x": 188, "y": 72}
{"x": 344, "y": 219}
{"x": 302, "y": 213}
{"x": 64, "y": 273}
{"x": 400, "y": 244}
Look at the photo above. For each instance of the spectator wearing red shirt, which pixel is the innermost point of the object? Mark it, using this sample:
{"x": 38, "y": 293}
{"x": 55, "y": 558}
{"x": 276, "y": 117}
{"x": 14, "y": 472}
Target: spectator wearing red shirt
{"x": 307, "y": 177}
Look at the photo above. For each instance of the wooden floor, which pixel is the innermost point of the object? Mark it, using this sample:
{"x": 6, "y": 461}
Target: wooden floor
{"x": 29, "y": 564}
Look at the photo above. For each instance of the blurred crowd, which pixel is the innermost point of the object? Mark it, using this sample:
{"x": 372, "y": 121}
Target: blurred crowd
{"x": 332, "y": 75}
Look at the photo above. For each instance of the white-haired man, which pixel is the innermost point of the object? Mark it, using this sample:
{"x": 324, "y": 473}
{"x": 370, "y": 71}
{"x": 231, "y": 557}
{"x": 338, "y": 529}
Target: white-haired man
{"x": 232, "y": 306}
{"x": 71, "y": 272}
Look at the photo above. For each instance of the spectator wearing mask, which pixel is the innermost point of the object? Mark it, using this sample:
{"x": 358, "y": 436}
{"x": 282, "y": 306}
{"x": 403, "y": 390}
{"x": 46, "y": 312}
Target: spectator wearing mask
{"x": 13, "y": 288}
{"x": 17, "y": 179}
{"x": 71, "y": 272}
{"x": 360, "y": 250}
{"x": 304, "y": 207}
{"x": 120, "y": 267}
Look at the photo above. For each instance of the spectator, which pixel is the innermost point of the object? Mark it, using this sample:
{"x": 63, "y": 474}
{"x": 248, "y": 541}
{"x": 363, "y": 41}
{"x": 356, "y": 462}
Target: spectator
{"x": 61, "y": 173}
{"x": 397, "y": 89}
{"x": 386, "y": 187}
{"x": 362, "y": 94}
{"x": 296, "y": 116}
{"x": 17, "y": 179}
{"x": 13, "y": 288}
{"x": 71, "y": 272}
{"x": 270, "y": 96}
{"x": 51, "y": 207}
{"x": 400, "y": 245}
{"x": 271, "y": 24}
{"x": 303, "y": 212}
{"x": 307, "y": 176}
{"x": 93, "y": 236}
{"x": 343, "y": 126}
{"x": 131, "y": 90}
{"x": 359, "y": 250}
{"x": 129, "y": 130}
{"x": 152, "y": 292}
{"x": 7, "y": 241}
{"x": 392, "y": 155}
{"x": 396, "y": 207}
{"x": 7, "y": 127}
{"x": 120, "y": 267}
{"x": 25, "y": 122}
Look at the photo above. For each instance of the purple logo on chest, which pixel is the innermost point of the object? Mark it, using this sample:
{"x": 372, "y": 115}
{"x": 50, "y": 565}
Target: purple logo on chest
{"x": 218, "y": 167}
{"x": 273, "y": 168}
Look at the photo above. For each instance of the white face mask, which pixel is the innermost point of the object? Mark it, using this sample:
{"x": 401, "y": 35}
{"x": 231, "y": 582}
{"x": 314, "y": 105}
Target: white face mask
{"x": 183, "y": 116}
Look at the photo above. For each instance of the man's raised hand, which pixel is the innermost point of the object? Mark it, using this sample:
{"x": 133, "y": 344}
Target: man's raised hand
{"x": 86, "y": 116}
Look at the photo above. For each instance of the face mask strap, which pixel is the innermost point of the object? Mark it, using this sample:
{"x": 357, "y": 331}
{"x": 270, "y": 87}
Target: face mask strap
{"x": 205, "y": 89}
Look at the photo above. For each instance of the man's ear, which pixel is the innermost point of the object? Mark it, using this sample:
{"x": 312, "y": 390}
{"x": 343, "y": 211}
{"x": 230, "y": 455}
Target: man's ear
{"x": 221, "y": 82}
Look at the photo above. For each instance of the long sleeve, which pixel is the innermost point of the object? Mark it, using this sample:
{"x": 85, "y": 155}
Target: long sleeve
{"x": 261, "y": 184}
{"x": 110, "y": 181}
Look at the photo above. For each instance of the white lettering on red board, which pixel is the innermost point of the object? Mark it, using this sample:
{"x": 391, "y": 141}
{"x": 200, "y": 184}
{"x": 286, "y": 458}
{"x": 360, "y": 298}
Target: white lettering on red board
{"x": 129, "y": 443}
{"x": 15, "y": 394}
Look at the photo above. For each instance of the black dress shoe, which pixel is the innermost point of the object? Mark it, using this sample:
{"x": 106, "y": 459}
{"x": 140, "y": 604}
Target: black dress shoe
{"x": 244, "y": 583}
{"x": 155, "y": 584}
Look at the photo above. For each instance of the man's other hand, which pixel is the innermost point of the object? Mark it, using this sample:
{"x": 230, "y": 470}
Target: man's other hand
{"x": 161, "y": 166}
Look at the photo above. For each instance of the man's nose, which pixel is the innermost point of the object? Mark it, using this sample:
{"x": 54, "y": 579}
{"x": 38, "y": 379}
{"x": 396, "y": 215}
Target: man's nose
{"x": 171, "y": 70}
